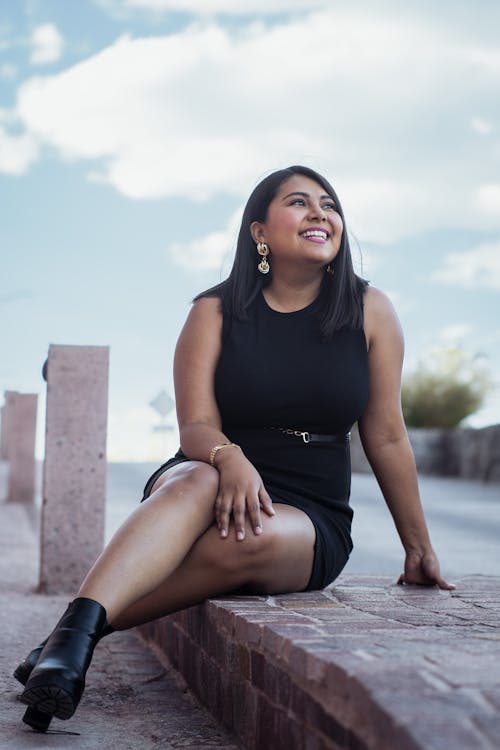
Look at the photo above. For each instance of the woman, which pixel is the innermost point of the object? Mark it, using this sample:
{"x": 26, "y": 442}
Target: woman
{"x": 272, "y": 368}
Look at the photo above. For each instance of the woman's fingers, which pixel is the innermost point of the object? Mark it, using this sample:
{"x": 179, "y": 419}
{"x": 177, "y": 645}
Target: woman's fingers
{"x": 426, "y": 582}
{"x": 239, "y": 503}
{"x": 266, "y": 502}
{"x": 435, "y": 578}
{"x": 223, "y": 507}
{"x": 253, "y": 507}
{"x": 239, "y": 517}
{"x": 432, "y": 571}
{"x": 425, "y": 572}
{"x": 445, "y": 585}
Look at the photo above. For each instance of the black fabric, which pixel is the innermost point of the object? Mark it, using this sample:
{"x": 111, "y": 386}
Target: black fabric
{"x": 276, "y": 370}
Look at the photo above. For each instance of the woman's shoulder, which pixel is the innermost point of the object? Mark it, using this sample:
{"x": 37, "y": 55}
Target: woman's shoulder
{"x": 379, "y": 313}
{"x": 203, "y": 323}
{"x": 377, "y": 303}
{"x": 207, "y": 308}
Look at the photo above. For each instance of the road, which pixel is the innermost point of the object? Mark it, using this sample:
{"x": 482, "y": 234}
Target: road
{"x": 463, "y": 518}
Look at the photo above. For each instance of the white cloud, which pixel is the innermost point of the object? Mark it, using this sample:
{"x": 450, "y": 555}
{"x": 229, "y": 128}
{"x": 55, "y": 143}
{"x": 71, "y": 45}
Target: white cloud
{"x": 481, "y": 126}
{"x": 209, "y": 109}
{"x": 209, "y": 252}
{"x": 47, "y": 44}
{"x": 488, "y": 199}
{"x": 454, "y": 334}
{"x": 378, "y": 208}
{"x": 205, "y": 7}
{"x": 479, "y": 267}
{"x": 17, "y": 153}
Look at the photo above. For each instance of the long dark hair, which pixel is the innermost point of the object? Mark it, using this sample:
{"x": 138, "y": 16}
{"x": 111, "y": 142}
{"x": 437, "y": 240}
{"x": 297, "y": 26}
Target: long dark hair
{"x": 340, "y": 301}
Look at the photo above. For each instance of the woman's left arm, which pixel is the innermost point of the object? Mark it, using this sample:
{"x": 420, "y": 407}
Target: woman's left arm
{"x": 386, "y": 444}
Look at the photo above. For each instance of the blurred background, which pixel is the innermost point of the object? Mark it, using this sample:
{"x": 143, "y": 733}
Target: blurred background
{"x": 132, "y": 131}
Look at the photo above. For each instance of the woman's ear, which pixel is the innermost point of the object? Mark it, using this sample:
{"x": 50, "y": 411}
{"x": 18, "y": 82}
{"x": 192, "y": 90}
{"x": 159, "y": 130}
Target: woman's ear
{"x": 257, "y": 232}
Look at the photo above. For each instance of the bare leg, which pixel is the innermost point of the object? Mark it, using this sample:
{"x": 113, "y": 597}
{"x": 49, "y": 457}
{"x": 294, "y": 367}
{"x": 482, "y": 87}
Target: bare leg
{"x": 279, "y": 560}
{"x": 169, "y": 545}
{"x": 154, "y": 540}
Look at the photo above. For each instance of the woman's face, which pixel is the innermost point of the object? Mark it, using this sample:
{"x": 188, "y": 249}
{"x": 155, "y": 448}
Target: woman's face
{"x": 302, "y": 225}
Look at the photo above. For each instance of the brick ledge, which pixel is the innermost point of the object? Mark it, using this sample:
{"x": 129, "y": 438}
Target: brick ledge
{"x": 362, "y": 665}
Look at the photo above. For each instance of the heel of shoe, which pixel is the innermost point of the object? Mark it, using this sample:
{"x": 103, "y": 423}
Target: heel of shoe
{"x": 53, "y": 695}
{"x": 56, "y": 684}
{"x": 36, "y": 719}
{"x": 24, "y": 669}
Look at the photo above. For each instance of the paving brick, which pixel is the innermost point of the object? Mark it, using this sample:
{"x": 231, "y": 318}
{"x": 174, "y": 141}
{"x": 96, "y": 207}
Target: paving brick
{"x": 306, "y": 709}
{"x": 244, "y": 721}
{"x": 267, "y": 726}
{"x": 291, "y": 734}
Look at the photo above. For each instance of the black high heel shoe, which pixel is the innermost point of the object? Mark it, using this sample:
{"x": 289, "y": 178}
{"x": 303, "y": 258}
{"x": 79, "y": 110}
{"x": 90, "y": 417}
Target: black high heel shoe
{"x": 25, "y": 668}
{"x": 56, "y": 683}
{"x": 33, "y": 717}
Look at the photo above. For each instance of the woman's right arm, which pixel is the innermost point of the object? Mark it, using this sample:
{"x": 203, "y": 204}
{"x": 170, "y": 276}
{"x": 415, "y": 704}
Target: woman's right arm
{"x": 240, "y": 487}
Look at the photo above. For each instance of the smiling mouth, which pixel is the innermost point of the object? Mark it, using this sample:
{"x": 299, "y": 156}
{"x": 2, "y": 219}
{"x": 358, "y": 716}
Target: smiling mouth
{"x": 315, "y": 234}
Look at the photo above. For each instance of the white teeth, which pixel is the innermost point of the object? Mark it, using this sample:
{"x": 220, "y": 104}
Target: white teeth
{"x": 315, "y": 233}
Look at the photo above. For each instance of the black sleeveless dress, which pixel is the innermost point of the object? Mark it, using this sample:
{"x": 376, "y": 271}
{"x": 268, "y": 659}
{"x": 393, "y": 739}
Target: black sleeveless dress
{"x": 276, "y": 371}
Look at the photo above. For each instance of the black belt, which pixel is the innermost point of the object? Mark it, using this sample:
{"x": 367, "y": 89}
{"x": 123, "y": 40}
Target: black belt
{"x": 311, "y": 437}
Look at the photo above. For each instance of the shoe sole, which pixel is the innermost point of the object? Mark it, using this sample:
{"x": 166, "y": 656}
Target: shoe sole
{"x": 51, "y": 700}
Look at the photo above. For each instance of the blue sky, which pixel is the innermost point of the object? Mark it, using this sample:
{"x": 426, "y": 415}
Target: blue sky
{"x": 131, "y": 132}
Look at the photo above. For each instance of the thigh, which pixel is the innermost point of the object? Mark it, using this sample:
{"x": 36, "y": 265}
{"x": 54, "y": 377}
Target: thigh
{"x": 278, "y": 560}
{"x": 286, "y": 565}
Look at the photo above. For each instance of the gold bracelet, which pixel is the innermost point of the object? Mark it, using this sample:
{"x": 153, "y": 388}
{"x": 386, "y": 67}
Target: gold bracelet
{"x": 216, "y": 448}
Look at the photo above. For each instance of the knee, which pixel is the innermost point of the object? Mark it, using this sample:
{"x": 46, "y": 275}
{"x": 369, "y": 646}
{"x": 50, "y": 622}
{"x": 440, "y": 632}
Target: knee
{"x": 190, "y": 479}
{"x": 199, "y": 474}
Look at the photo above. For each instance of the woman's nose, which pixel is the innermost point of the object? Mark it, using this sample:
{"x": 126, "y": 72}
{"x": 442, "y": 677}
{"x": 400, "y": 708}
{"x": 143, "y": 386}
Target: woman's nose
{"x": 316, "y": 211}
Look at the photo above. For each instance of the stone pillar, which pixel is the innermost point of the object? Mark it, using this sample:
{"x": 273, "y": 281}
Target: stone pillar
{"x": 17, "y": 444}
{"x": 3, "y": 433}
{"x": 74, "y": 477}
{"x": 4, "y": 465}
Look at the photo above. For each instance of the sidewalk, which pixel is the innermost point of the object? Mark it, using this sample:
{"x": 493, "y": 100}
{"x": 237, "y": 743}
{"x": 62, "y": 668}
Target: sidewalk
{"x": 131, "y": 701}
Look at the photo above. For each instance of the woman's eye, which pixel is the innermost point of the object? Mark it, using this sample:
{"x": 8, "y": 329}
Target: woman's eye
{"x": 298, "y": 201}
{"x": 331, "y": 206}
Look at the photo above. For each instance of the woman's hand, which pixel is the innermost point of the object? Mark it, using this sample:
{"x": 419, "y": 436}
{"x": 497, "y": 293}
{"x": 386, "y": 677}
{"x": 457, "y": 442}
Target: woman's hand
{"x": 423, "y": 569}
{"x": 241, "y": 491}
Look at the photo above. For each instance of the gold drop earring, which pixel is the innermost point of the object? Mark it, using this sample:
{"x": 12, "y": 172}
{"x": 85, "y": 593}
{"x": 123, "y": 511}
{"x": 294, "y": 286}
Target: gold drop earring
{"x": 263, "y": 250}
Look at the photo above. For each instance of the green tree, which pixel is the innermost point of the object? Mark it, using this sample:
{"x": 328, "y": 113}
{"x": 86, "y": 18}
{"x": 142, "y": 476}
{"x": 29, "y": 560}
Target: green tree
{"x": 445, "y": 389}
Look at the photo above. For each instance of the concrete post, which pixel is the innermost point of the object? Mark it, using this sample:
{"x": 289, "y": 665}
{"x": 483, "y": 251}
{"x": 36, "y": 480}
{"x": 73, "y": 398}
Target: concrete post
{"x": 74, "y": 477}
{"x": 17, "y": 444}
{"x": 3, "y": 433}
{"x": 4, "y": 465}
